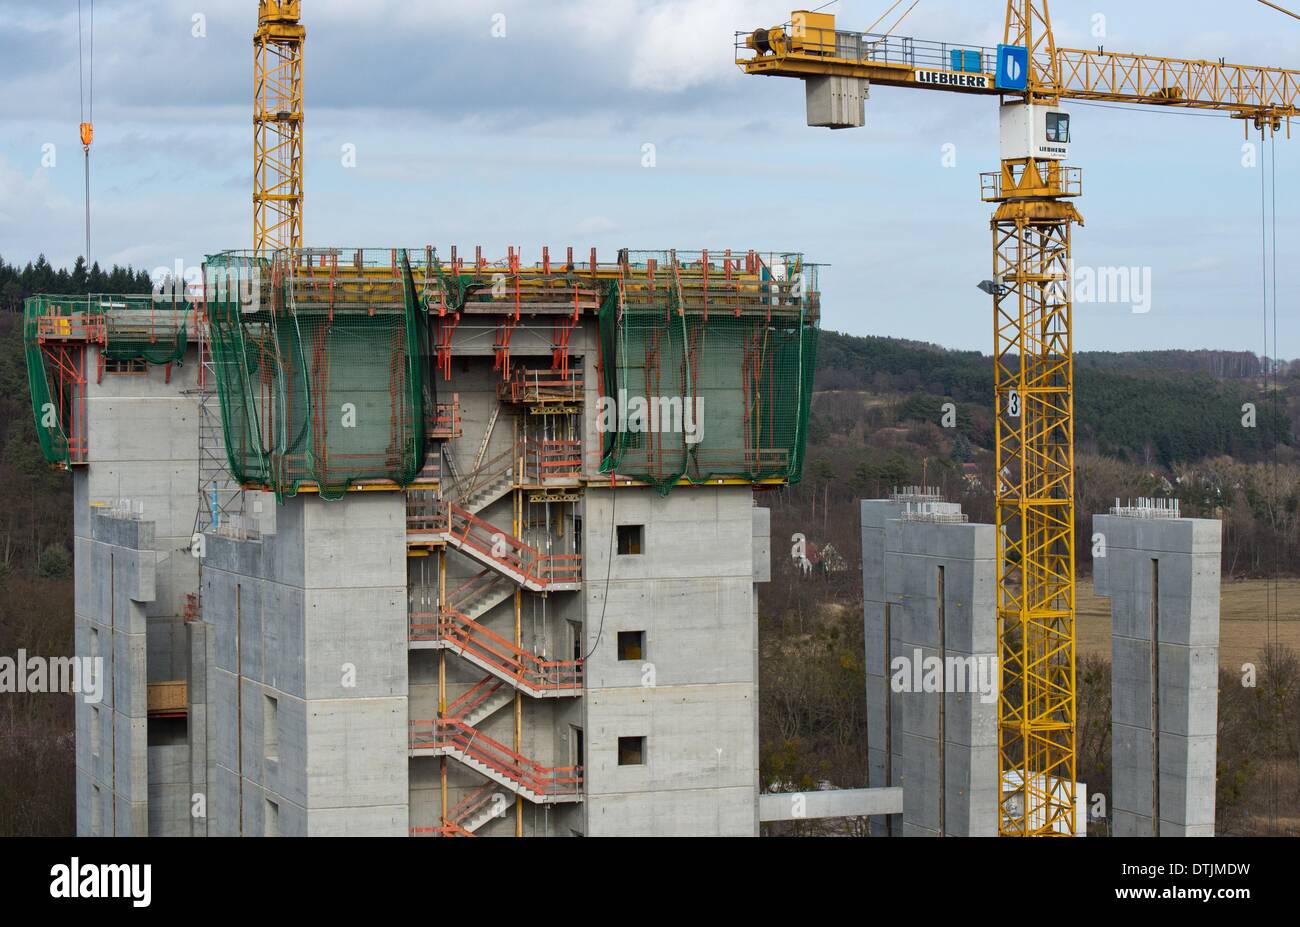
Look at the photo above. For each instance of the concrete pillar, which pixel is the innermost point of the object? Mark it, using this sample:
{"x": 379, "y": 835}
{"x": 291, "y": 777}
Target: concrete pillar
{"x": 875, "y": 514}
{"x": 307, "y": 677}
{"x": 929, "y": 592}
{"x": 197, "y": 636}
{"x": 691, "y": 693}
{"x": 1162, "y": 577}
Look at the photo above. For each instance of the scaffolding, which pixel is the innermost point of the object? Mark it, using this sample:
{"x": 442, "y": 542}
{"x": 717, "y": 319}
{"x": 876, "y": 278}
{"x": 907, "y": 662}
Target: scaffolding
{"x": 320, "y": 365}
{"x": 708, "y": 368}
{"x": 58, "y": 333}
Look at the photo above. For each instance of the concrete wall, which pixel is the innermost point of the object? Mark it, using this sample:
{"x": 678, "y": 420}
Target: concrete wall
{"x": 693, "y": 695}
{"x": 1162, "y": 576}
{"x": 116, "y": 582}
{"x": 929, "y": 592}
{"x": 875, "y": 514}
{"x": 132, "y": 577}
{"x": 307, "y": 684}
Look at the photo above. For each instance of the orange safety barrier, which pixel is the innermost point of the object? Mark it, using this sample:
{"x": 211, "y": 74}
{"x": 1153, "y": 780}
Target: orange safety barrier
{"x": 479, "y": 693}
{"x": 552, "y": 460}
{"x": 508, "y": 660}
{"x": 467, "y": 530}
{"x": 542, "y": 386}
{"x": 454, "y": 736}
{"x": 444, "y": 420}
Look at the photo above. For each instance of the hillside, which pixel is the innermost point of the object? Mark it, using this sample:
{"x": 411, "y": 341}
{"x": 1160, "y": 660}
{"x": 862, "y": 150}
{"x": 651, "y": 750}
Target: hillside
{"x": 1161, "y": 407}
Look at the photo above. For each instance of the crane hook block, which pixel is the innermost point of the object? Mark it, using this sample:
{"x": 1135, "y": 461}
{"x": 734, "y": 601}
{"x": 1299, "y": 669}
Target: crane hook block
{"x": 87, "y": 134}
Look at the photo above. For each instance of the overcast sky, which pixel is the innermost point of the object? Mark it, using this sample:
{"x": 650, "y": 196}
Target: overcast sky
{"x": 538, "y": 137}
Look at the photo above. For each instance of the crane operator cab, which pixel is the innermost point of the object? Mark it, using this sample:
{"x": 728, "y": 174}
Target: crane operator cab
{"x": 1033, "y": 130}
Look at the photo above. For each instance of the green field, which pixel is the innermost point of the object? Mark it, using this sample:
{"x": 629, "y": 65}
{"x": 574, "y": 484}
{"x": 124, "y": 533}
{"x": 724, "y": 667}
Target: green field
{"x": 1244, "y": 629}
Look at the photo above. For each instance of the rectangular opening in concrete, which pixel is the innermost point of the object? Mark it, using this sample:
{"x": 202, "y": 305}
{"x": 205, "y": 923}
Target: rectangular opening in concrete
{"x": 271, "y": 727}
{"x": 630, "y": 539}
{"x": 631, "y": 645}
{"x": 577, "y": 748}
{"x": 94, "y": 731}
{"x": 575, "y": 639}
{"x": 167, "y": 732}
{"x": 631, "y": 751}
{"x": 272, "y": 828}
{"x": 96, "y": 799}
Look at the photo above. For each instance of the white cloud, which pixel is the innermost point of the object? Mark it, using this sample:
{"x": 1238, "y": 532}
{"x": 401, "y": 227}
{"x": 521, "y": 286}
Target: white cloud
{"x": 669, "y": 46}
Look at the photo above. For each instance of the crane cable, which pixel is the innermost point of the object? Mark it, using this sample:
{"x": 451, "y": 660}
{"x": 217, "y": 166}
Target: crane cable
{"x": 906, "y": 13}
{"x": 86, "y": 88}
{"x": 872, "y": 27}
{"x": 1268, "y": 229}
{"x": 1280, "y": 9}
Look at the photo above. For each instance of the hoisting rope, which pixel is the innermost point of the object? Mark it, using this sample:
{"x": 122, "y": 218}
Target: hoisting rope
{"x": 86, "y": 87}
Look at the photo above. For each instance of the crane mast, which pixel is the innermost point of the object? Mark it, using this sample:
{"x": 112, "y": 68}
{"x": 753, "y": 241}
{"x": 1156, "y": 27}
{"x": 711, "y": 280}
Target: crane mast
{"x": 277, "y": 125}
{"x": 1032, "y": 224}
{"x": 1034, "y": 458}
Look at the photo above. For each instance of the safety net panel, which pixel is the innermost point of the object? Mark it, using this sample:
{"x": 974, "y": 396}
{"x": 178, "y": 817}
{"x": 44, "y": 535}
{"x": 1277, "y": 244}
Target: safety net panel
{"x": 52, "y": 320}
{"x": 57, "y": 331}
{"x": 144, "y": 328}
{"x": 708, "y": 369}
{"x": 320, "y": 360}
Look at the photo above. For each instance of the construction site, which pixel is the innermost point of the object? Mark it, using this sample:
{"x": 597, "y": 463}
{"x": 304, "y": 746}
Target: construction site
{"x": 422, "y": 541}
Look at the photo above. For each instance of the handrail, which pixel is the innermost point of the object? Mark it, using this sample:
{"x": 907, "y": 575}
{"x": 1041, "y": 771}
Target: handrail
{"x": 476, "y": 479}
{"x": 478, "y": 583}
{"x": 508, "y": 660}
{"x": 553, "y": 459}
{"x": 520, "y": 556}
{"x": 543, "y": 781}
{"x": 475, "y": 696}
{"x": 470, "y": 804}
{"x": 542, "y": 385}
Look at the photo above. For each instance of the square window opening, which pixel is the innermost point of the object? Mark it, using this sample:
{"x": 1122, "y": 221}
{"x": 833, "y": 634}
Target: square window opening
{"x": 631, "y": 751}
{"x": 630, "y": 540}
{"x": 631, "y": 645}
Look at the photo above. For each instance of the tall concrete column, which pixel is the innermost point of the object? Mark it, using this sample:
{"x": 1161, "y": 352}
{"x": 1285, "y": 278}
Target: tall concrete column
{"x": 929, "y": 583}
{"x": 1162, "y": 576}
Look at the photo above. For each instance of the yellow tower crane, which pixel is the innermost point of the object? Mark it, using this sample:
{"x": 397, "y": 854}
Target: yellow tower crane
{"x": 277, "y": 125}
{"x": 1033, "y": 341}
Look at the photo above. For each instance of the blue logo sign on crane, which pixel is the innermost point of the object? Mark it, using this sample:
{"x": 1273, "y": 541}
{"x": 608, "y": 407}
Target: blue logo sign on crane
{"x": 1013, "y": 67}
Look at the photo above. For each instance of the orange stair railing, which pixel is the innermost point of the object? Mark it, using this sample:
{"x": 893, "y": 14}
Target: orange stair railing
{"x": 455, "y": 737}
{"x": 467, "y": 531}
{"x": 507, "y": 660}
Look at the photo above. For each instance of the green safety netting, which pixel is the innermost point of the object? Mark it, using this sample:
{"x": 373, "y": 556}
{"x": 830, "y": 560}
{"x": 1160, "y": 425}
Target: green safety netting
{"x": 126, "y": 328}
{"x": 49, "y": 394}
{"x": 316, "y": 387}
{"x": 692, "y": 396}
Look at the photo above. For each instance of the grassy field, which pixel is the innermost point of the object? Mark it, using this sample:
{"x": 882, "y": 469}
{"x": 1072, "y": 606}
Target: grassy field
{"x": 1243, "y": 630}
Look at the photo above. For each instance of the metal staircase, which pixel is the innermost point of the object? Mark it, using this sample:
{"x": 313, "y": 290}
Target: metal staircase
{"x": 494, "y": 654}
{"x": 542, "y": 785}
{"x": 482, "y": 701}
{"x": 514, "y": 559}
{"x": 505, "y": 565}
{"x": 220, "y": 497}
{"x": 478, "y": 595}
{"x": 471, "y": 813}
